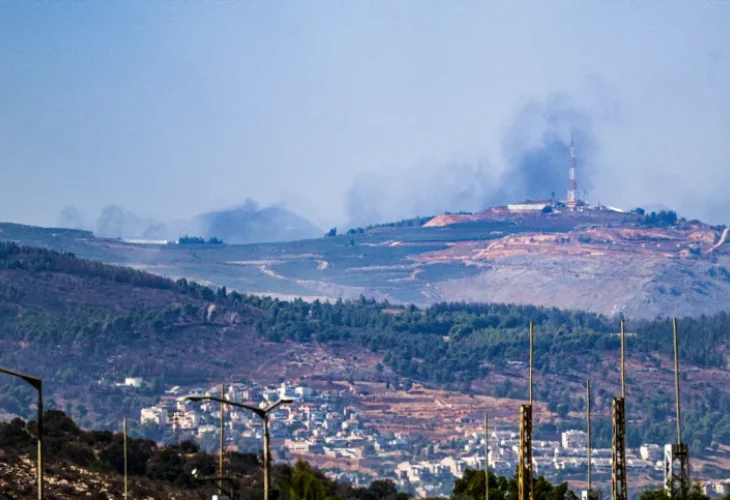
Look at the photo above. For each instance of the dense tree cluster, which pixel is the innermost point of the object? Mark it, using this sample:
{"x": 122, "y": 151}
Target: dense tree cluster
{"x": 663, "y": 218}
{"x": 197, "y": 240}
{"x": 14, "y": 256}
{"x": 413, "y": 222}
{"x": 471, "y": 486}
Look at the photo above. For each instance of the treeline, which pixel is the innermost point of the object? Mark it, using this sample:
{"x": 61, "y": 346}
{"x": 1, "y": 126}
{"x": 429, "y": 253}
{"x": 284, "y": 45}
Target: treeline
{"x": 661, "y": 219}
{"x": 197, "y": 240}
{"x": 472, "y": 487}
{"x": 470, "y": 334}
{"x": 14, "y": 256}
{"x": 413, "y": 222}
{"x": 17, "y": 257}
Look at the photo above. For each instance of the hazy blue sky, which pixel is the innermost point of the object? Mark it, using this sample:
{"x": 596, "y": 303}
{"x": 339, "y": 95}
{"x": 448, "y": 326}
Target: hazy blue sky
{"x": 170, "y": 108}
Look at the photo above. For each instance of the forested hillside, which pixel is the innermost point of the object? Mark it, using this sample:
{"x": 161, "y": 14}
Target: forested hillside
{"x": 83, "y": 325}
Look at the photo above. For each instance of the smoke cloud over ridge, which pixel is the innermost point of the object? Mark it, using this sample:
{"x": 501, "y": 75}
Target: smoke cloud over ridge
{"x": 536, "y": 147}
{"x": 246, "y": 223}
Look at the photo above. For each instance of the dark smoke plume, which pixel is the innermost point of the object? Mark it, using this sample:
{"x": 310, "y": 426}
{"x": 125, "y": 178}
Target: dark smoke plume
{"x": 536, "y": 149}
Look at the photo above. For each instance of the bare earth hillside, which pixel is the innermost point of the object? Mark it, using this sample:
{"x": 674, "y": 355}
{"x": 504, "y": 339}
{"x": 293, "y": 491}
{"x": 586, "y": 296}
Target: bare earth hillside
{"x": 597, "y": 260}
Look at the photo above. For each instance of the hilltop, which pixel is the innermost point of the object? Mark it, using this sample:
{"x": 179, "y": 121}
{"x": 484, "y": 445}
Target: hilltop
{"x": 597, "y": 259}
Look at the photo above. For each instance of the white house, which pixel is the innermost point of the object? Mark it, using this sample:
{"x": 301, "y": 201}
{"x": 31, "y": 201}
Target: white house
{"x": 650, "y": 452}
{"x": 574, "y": 439}
{"x": 155, "y": 415}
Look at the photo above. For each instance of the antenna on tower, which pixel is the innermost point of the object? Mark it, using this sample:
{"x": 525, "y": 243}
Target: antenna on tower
{"x": 572, "y": 185}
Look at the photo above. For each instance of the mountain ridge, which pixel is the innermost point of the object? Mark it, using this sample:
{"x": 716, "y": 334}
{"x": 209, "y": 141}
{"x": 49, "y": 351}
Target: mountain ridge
{"x": 600, "y": 259}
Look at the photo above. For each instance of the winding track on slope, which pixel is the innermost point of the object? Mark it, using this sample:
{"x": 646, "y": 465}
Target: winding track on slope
{"x": 719, "y": 243}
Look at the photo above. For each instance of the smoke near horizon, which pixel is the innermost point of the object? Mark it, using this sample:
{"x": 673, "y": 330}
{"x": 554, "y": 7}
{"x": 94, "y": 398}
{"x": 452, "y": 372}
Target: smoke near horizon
{"x": 537, "y": 150}
{"x": 246, "y": 223}
{"x": 358, "y": 112}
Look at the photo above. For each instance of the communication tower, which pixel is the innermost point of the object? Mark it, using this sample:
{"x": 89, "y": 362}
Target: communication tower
{"x": 572, "y": 185}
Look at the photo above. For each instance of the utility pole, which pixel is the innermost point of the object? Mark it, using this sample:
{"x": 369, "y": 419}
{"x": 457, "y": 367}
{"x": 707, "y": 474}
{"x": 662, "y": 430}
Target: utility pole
{"x": 263, "y": 414}
{"x": 37, "y": 384}
{"x": 676, "y": 456}
{"x": 588, "y": 425}
{"x": 589, "y": 494}
{"x": 619, "y": 483}
{"x": 124, "y": 430}
{"x": 267, "y": 459}
{"x": 486, "y": 455}
{"x": 40, "y": 439}
{"x": 524, "y": 483}
{"x": 223, "y": 437}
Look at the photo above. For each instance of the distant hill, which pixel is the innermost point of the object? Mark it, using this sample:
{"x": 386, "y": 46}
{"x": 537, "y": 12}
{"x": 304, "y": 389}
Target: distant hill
{"x": 641, "y": 265}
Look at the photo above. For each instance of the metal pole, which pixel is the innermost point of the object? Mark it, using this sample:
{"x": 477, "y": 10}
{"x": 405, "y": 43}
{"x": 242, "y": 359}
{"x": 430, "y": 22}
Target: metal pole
{"x": 37, "y": 384}
{"x": 623, "y": 381}
{"x": 531, "y": 363}
{"x": 266, "y": 457}
{"x": 220, "y": 451}
{"x": 676, "y": 381}
{"x": 40, "y": 440}
{"x": 486, "y": 455}
{"x": 588, "y": 423}
{"x": 124, "y": 429}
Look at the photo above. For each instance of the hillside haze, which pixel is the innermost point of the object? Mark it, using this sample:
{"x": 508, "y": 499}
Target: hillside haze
{"x": 246, "y": 223}
{"x": 598, "y": 259}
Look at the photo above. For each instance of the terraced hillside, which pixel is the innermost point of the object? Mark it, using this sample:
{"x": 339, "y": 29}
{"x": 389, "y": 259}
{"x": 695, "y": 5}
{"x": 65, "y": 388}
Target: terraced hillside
{"x": 600, "y": 260}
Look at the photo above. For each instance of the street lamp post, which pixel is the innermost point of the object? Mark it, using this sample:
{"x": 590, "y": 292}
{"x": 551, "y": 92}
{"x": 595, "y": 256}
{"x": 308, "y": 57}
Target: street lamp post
{"x": 263, "y": 414}
{"x": 38, "y": 386}
{"x": 126, "y": 488}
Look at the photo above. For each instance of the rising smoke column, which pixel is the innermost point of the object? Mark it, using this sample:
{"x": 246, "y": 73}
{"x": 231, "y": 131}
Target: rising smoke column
{"x": 537, "y": 150}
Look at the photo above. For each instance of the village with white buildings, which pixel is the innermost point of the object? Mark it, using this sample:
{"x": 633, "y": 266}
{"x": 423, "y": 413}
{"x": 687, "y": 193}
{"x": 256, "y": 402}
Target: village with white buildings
{"x": 327, "y": 429}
